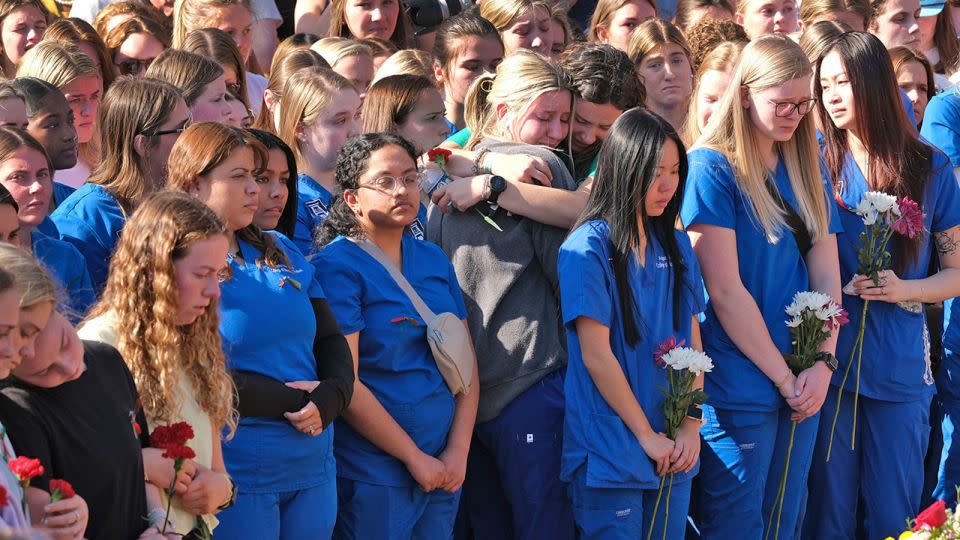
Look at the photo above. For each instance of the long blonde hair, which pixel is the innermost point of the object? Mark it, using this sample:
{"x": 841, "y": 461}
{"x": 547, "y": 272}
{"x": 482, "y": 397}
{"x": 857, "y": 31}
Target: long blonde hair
{"x": 30, "y": 278}
{"x": 723, "y": 58}
{"x": 769, "y": 61}
{"x": 520, "y": 79}
{"x": 305, "y": 96}
{"x": 335, "y": 49}
{"x": 502, "y": 13}
{"x": 141, "y": 292}
{"x": 284, "y": 68}
{"x": 133, "y": 106}
{"x": 188, "y": 72}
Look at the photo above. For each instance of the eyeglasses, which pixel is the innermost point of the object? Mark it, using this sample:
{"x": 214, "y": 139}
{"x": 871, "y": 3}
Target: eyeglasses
{"x": 160, "y": 132}
{"x": 786, "y": 108}
{"x": 133, "y": 66}
{"x": 390, "y": 184}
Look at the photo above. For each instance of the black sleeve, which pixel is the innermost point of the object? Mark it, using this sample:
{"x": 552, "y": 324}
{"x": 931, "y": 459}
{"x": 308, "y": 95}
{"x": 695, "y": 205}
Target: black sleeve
{"x": 265, "y": 397}
{"x": 28, "y": 434}
{"x": 334, "y": 365}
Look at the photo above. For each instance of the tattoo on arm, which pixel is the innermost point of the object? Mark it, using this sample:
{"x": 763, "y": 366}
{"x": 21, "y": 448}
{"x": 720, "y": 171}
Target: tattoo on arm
{"x": 946, "y": 243}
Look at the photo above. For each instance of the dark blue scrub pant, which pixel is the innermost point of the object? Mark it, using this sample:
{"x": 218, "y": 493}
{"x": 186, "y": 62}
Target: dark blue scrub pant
{"x": 513, "y": 488}
{"x": 627, "y": 513}
{"x": 370, "y": 511}
{"x": 948, "y": 394}
{"x": 741, "y": 464}
{"x": 882, "y": 475}
{"x": 291, "y": 515}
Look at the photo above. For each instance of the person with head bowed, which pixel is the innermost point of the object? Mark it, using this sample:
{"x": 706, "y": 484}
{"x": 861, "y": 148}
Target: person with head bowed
{"x": 619, "y": 268}
{"x": 140, "y": 119}
{"x": 509, "y": 276}
{"x": 291, "y": 363}
{"x": 763, "y": 224}
{"x": 402, "y": 444}
{"x": 55, "y": 409}
{"x": 880, "y": 152}
{"x": 159, "y": 310}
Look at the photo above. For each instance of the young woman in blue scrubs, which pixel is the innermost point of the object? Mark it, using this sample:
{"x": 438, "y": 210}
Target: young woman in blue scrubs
{"x": 319, "y": 111}
{"x": 402, "y": 445}
{"x": 140, "y": 119}
{"x": 290, "y": 362}
{"x": 880, "y": 151}
{"x": 758, "y": 149}
{"x": 27, "y": 173}
{"x": 614, "y": 450}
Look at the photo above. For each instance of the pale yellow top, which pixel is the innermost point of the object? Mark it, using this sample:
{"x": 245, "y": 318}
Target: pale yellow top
{"x": 103, "y": 329}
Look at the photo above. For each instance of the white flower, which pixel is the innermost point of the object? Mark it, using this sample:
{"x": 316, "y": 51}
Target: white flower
{"x": 881, "y": 202}
{"x": 806, "y": 300}
{"x": 795, "y": 321}
{"x": 682, "y": 358}
{"x": 866, "y": 211}
{"x": 827, "y": 311}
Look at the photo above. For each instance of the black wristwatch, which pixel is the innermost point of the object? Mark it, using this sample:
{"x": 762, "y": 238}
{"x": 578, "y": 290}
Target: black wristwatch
{"x": 497, "y": 186}
{"x": 830, "y": 360}
{"x": 695, "y": 412}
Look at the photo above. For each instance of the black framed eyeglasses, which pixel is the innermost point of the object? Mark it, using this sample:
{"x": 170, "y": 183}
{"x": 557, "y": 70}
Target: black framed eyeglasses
{"x": 160, "y": 132}
{"x": 786, "y": 108}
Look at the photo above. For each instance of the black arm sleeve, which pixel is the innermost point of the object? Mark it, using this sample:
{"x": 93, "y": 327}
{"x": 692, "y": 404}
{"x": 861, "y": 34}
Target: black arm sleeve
{"x": 334, "y": 365}
{"x": 265, "y": 397}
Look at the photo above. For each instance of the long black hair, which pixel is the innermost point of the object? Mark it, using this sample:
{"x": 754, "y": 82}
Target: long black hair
{"x": 352, "y": 161}
{"x": 288, "y": 218}
{"x": 627, "y": 167}
{"x": 899, "y": 160}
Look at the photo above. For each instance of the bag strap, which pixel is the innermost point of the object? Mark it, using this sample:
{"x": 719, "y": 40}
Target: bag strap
{"x": 374, "y": 251}
{"x": 793, "y": 220}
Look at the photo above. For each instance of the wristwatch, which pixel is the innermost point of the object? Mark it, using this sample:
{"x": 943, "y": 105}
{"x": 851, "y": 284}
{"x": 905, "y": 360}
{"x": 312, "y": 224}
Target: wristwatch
{"x": 233, "y": 495}
{"x": 695, "y": 412}
{"x": 828, "y": 359}
{"x": 497, "y": 186}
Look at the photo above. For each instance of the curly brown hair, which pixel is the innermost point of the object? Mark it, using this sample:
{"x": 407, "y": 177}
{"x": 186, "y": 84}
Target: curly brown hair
{"x": 141, "y": 292}
{"x": 704, "y": 36}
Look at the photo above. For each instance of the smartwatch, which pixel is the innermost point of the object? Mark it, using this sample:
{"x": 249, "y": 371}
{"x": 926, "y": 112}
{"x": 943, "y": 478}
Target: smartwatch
{"x": 497, "y": 186}
{"x": 695, "y": 412}
{"x": 828, "y": 359}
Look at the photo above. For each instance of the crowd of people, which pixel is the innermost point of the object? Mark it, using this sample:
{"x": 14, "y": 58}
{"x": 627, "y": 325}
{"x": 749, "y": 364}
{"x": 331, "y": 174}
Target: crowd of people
{"x": 249, "y": 241}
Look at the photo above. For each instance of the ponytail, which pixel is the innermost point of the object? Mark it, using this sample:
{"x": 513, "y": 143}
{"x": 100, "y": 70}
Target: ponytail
{"x": 476, "y": 107}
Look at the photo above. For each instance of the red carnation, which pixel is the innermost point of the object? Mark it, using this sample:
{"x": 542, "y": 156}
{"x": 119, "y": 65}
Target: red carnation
{"x": 439, "y": 156}
{"x": 934, "y": 516}
{"x": 25, "y": 469}
{"x": 173, "y": 435}
{"x": 60, "y": 489}
{"x": 179, "y": 452}
{"x": 136, "y": 428}
{"x": 664, "y": 347}
{"x": 910, "y": 222}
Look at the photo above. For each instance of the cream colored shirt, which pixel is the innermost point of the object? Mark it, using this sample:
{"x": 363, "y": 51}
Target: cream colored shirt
{"x": 103, "y": 329}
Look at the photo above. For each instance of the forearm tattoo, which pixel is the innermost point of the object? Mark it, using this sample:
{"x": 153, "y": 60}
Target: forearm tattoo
{"x": 946, "y": 243}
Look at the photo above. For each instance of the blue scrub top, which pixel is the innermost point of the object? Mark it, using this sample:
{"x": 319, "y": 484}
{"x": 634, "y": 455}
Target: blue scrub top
{"x": 91, "y": 219}
{"x": 395, "y": 361}
{"x": 941, "y": 123}
{"x": 594, "y": 434}
{"x": 896, "y": 348}
{"x": 68, "y": 267}
{"x": 771, "y": 272}
{"x": 268, "y": 325}
{"x": 61, "y": 192}
{"x": 908, "y": 107}
{"x": 313, "y": 203}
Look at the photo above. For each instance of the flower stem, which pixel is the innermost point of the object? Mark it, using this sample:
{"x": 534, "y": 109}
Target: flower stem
{"x": 858, "y": 342}
{"x": 177, "y": 464}
{"x": 666, "y": 508}
{"x": 856, "y": 394}
{"x": 783, "y": 483}
{"x": 656, "y": 505}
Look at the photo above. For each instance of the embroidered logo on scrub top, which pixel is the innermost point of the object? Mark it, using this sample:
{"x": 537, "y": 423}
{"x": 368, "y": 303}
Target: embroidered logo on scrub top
{"x": 624, "y": 513}
{"x": 317, "y": 208}
{"x": 416, "y": 228}
{"x": 662, "y": 262}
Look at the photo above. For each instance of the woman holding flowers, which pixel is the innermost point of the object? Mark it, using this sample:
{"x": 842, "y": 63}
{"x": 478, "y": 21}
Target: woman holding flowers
{"x": 884, "y": 174}
{"x": 762, "y": 226}
{"x": 160, "y": 311}
{"x": 614, "y": 448}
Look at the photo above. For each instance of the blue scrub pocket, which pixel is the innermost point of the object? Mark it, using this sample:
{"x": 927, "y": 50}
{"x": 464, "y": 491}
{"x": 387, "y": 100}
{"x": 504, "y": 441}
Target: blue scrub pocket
{"x": 615, "y": 456}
